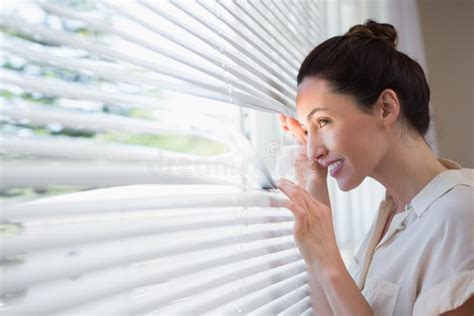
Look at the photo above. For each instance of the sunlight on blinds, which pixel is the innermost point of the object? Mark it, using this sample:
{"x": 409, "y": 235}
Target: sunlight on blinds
{"x": 110, "y": 80}
{"x": 143, "y": 102}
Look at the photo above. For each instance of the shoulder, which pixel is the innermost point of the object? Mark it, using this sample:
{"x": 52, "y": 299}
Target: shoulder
{"x": 447, "y": 227}
{"x": 449, "y": 192}
{"x": 455, "y": 206}
{"x": 449, "y": 219}
{"x": 451, "y": 196}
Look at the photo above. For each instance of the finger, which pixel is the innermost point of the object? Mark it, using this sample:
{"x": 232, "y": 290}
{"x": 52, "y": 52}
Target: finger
{"x": 284, "y": 184}
{"x": 284, "y": 180}
{"x": 283, "y": 124}
{"x": 299, "y": 226}
{"x": 298, "y": 132}
{"x": 288, "y": 188}
{"x": 300, "y": 139}
{"x": 315, "y": 165}
{"x": 297, "y": 195}
{"x": 295, "y": 126}
{"x": 297, "y": 211}
{"x": 302, "y": 152}
{"x": 301, "y": 159}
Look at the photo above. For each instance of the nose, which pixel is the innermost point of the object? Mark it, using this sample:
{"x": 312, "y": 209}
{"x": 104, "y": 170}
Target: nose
{"x": 315, "y": 148}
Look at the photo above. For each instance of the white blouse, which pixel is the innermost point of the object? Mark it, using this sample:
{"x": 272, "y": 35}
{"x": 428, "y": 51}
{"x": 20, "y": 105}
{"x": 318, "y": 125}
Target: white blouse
{"x": 424, "y": 265}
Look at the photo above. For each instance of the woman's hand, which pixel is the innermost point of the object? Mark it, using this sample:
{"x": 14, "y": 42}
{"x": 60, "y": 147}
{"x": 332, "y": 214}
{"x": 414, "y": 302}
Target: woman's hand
{"x": 309, "y": 173}
{"x": 309, "y": 169}
{"x": 313, "y": 230}
{"x": 291, "y": 125}
{"x": 304, "y": 167}
{"x": 315, "y": 237}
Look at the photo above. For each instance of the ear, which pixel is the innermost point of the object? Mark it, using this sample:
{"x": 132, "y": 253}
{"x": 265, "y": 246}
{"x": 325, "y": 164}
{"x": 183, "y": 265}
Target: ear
{"x": 387, "y": 108}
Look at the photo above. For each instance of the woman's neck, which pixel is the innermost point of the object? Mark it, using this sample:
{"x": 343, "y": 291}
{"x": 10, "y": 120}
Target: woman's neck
{"x": 406, "y": 169}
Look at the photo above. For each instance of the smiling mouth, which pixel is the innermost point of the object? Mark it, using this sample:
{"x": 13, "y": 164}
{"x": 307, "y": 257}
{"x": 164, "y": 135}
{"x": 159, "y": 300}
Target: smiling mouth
{"x": 335, "y": 167}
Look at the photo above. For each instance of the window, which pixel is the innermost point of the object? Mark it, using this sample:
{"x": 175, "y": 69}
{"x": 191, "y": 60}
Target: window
{"x": 130, "y": 137}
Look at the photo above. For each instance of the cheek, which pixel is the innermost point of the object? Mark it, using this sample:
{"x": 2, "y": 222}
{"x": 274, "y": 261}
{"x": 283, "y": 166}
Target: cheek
{"x": 367, "y": 143}
{"x": 346, "y": 140}
{"x": 360, "y": 142}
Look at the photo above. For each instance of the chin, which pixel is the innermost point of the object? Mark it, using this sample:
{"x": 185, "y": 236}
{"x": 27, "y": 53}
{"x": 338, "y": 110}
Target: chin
{"x": 348, "y": 184}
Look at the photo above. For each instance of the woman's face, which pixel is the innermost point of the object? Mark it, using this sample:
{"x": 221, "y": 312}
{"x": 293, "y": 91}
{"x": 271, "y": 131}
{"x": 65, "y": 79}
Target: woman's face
{"x": 340, "y": 136}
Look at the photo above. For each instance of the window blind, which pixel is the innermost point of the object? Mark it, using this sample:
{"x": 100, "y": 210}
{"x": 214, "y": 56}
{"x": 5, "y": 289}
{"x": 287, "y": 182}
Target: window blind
{"x": 143, "y": 104}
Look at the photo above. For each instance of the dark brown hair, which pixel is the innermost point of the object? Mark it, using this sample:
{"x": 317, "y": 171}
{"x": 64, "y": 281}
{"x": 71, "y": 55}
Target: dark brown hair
{"x": 364, "y": 62}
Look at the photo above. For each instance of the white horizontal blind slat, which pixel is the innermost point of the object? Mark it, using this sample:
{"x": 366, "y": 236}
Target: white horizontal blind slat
{"x": 296, "y": 53}
{"x": 241, "y": 49}
{"x": 86, "y": 228}
{"x": 289, "y": 24}
{"x": 291, "y": 299}
{"x": 242, "y": 80}
{"x": 288, "y": 67}
{"x": 96, "y": 121}
{"x": 146, "y": 300}
{"x": 109, "y": 71}
{"x": 38, "y": 173}
{"x": 223, "y": 196}
{"x": 55, "y": 264}
{"x": 308, "y": 312}
{"x": 38, "y": 114}
{"x": 288, "y": 87}
{"x": 271, "y": 293}
{"x": 81, "y": 149}
{"x": 269, "y": 17}
{"x": 298, "y": 308}
{"x": 188, "y": 275}
{"x": 262, "y": 103}
{"x": 201, "y": 239}
{"x": 290, "y": 60}
{"x": 56, "y": 87}
{"x": 309, "y": 17}
{"x": 217, "y": 300}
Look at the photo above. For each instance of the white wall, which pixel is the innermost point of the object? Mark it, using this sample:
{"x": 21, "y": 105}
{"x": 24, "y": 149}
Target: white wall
{"x": 447, "y": 28}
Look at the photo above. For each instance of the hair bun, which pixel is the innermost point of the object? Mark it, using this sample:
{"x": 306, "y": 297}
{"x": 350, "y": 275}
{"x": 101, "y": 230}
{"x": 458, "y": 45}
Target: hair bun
{"x": 382, "y": 31}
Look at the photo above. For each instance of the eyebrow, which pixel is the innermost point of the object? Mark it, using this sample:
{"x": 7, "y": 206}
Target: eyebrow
{"x": 314, "y": 111}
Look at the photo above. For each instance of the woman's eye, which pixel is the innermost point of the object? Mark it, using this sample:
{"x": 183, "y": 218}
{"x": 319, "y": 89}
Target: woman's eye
{"x": 322, "y": 122}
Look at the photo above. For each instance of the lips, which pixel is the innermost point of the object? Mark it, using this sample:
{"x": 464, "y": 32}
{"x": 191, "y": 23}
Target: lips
{"x": 335, "y": 167}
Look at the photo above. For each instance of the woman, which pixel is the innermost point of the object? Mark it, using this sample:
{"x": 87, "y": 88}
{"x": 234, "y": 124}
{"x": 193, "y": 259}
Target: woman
{"x": 362, "y": 110}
